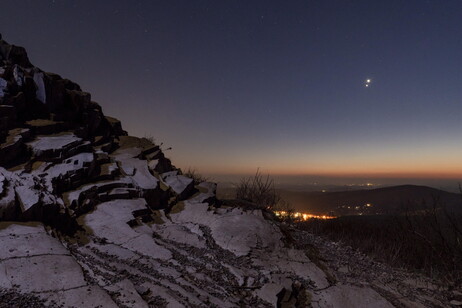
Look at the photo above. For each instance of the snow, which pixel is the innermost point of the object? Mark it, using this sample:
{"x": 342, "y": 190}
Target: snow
{"x": 136, "y": 168}
{"x": 206, "y": 190}
{"x": 2, "y": 183}
{"x": 18, "y": 76}
{"x": 40, "y": 92}
{"x": 86, "y": 296}
{"x": 27, "y": 196}
{"x": 31, "y": 257}
{"x": 46, "y": 143}
{"x": 72, "y": 164}
{"x": 73, "y": 196}
{"x": 269, "y": 291}
{"x": 109, "y": 220}
{"x": 181, "y": 234}
{"x": 16, "y": 245}
{"x": 3, "y": 86}
{"x": 236, "y": 230}
{"x": 116, "y": 251}
{"x": 127, "y": 294}
{"x": 349, "y": 297}
{"x": 194, "y": 254}
{"x": 62, "y": 272}
{"x": 152, "y": 164}
{"x": 145, "y": 244}
{"x": 178, "y": 183}
{"x": 18, "y": 229}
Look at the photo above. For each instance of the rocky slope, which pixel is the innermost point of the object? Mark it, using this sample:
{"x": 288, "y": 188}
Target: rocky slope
{"x": 91, "y": 217}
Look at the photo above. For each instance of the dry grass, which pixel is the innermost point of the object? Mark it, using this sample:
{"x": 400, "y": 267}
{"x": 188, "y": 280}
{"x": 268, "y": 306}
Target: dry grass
{"x": 429, "y": 241}
{"x": 196, "y": 176}
{"x": 259, "y": 190}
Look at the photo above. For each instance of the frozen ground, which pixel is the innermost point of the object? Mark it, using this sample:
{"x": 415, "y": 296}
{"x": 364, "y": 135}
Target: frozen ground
{"x": 91, "y": 217}
{"x": 145, "y": 238}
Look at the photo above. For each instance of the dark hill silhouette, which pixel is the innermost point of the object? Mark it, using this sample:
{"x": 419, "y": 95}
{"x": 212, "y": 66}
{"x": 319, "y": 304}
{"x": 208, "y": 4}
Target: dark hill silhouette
{"x": 381, "y": 200}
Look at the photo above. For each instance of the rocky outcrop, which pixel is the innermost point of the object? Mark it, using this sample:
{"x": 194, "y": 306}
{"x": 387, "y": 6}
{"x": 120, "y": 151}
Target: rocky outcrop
{"x": 60, "y": 155}
{"x": 91, "y": 217}
{"x": 44, "y": 104}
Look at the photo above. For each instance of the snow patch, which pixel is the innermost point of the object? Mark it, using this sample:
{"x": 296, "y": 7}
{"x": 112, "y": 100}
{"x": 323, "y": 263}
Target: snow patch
{"x": 110, "y": 220}
{"x": 3, "y": 86}
{"x": 46, "y": 143}
{"x": 236, "y": 230}
{"x": 18, "y": 76}
{"x": 27, "y": 196}
{"x": 136, "y": 168}
{"x": 178, "y": 183}
{"x": 40, "y": 92}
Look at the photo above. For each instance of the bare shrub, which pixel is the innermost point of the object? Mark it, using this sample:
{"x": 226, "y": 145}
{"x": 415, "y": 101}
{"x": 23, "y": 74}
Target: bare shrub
{"x": 286, "y": 211}
{"x": 196, "y": 176}
{"x": 428, "y": 240}
{"x": 150, "y": 139}
{"x": 439, "y": 232}
{"x": 259, "y": 190}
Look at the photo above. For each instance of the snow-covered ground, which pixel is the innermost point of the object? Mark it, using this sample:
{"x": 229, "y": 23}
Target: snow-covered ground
{"x": 90, "y": 217}
{"x": 125, "y": 252}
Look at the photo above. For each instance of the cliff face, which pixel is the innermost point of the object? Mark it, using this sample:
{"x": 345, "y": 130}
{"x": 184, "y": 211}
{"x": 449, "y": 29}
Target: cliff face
{"x": 45, "y": 103}
{"x": 57, "y": 139}
{"x": 91, "y": 217}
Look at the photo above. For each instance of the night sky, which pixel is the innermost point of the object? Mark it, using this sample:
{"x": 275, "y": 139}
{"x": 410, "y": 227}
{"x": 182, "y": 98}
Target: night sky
{"x": 279, "y": 85}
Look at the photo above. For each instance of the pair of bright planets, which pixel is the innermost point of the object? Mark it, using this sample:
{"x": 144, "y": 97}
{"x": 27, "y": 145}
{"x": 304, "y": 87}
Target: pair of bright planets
{"x": 367, "y": 83}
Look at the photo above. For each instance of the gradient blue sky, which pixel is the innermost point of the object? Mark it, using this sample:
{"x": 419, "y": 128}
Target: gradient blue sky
{"x": 236, "y": 85}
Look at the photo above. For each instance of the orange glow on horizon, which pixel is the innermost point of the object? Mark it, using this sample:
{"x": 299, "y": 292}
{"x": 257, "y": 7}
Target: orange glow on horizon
{"x": 419, "y": 161}
{"x": 343, "y": 167}
{"x": 453, "y": 173}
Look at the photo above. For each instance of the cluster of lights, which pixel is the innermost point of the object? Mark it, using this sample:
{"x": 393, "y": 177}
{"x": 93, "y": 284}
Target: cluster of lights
{"x": 357, "y": 207}
{"x": 302, "y": 216}
{"x": 368, "y": 83}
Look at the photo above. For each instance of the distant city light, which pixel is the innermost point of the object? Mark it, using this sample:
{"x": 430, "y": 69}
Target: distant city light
{"x": 302, "y": 216}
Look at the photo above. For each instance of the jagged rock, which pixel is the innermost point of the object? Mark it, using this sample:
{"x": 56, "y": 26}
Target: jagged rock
{"x": 13, "y": 149}
{"x": 13, "y": 54}
{"x": 45, "y": 127}
{"x": 181, "y": 185}
{"x": 129, "y": 230}
{"x": 116, "y": 126}
{"x": 60, "y": 146}
{"x": 8, "y": 111}
{"x": 46, "y": 96}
